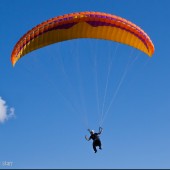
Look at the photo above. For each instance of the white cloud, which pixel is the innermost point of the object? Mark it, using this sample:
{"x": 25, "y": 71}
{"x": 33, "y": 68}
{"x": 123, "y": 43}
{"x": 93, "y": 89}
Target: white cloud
{"x": 5, "y": 112}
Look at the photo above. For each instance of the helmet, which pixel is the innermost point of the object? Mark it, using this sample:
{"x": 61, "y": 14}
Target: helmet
{"x": 92, "y": 131}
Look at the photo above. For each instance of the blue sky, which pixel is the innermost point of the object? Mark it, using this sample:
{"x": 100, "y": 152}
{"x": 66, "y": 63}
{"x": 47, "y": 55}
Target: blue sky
{"x": 52, "y": 95}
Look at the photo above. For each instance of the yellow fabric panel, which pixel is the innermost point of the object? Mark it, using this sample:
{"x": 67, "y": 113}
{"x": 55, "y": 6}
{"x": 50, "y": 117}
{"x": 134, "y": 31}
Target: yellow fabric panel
{"x": 83, "y": 30}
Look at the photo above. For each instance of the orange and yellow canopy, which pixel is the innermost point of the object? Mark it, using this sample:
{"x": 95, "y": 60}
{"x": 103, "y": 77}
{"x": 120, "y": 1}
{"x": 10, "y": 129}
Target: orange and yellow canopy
{"x": 83, "y": 25}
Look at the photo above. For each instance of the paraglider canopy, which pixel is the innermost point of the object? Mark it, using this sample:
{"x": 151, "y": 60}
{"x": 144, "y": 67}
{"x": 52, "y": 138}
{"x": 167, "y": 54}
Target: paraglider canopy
{"x": 83, "y": 25}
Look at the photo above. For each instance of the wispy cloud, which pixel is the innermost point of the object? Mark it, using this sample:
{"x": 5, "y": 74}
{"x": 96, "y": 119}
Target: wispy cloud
{"x": 5, "y": 112}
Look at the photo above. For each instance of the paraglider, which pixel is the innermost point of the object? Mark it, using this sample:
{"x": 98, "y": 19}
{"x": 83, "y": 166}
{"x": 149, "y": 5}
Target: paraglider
{"x": 95, "y": 137}
{"x": 83, "y": 25}
{"x": 96, "y": 25}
